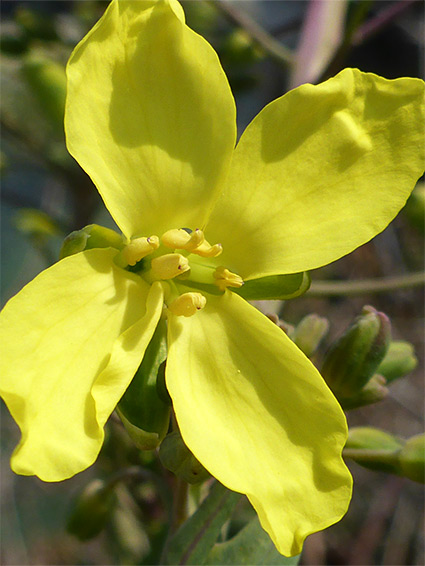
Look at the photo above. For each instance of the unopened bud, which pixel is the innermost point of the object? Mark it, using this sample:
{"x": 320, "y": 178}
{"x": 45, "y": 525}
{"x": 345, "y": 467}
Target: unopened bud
{"x": 47, "y": 80}
{"x": 412, "y": 459}
{"x": 399, "y": 360}
{"x": 375, "y": 390}
{"x": 91, "y": 511}
{"x": 176, "y": 457}
{"x": 373, "y": 449}
{"x": 309, "y": 333}
{"x": 355, "y": 356}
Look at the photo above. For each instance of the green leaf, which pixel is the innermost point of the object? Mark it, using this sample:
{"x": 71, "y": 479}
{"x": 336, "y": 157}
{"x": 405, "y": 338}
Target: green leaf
{"x": 252, "y": 545}
{"x": 193, "y": 541}
{"x": 275, "y": 287}
{"x": 144, "y": 415}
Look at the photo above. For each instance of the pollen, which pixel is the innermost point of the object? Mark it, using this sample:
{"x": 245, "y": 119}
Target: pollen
{"x": 225, "y": 278}
{"x": 168, "y": 266}
{"x": 139, "y": 248}
{"x": 187, "y": 304}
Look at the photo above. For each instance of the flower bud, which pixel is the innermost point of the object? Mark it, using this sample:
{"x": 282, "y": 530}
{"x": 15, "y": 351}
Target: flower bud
{"x": 374, "y": 391}
{"x": 355, "y": 356}
{"x": 309, "y": 333}
{"x": 412, "y": 459}
{"x": 373, "y": 449}
{"x": 176, "y": 457}
{"x": 91, "y": 511}
{"x": 47, "y": 80}
{"x": 399, "y": 360}
{"x": 90, "y": 237}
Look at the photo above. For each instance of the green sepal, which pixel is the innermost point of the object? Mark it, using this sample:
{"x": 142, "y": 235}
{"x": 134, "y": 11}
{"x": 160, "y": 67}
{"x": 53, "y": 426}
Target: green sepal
{"x": 145, "y": 416}
{"x": 90, "y": 237}
{"x": 275, "y": 287}
{"x": 374, "y": 391}
{"x": 252, "y": 545}
{"x": 194, "y": 540}
{"x": 399, "y": 360}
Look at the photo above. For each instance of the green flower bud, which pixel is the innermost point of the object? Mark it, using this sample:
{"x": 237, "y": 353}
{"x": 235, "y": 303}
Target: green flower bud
{"x": 399, "y": 360}
{"x": 372, "y": 392}
{"x": 354, "y": 358}
{"x": 309, "y": 333}
{"x": 144, "y": 414}
{"x": 47, "y": 81}
{"x": 373, "y": 449}
{"x": 412, "y": 459}
{"x": 91, "y": 510}
{"x": 92, "y": 236}
{"x": 176, "y": 457}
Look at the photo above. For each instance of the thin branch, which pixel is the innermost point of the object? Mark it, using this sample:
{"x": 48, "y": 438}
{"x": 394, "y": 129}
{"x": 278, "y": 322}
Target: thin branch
{"x": 365, "y": 286}
{"x": 380, "y": 21}
{"x": 272, "y": 46}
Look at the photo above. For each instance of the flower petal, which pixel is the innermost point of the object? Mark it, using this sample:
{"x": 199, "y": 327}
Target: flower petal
{"x": 72, "y": 340}
{"x": 259, "y": 417}
{"x": 150, "y": 117}
{"x": 319, "y": 172}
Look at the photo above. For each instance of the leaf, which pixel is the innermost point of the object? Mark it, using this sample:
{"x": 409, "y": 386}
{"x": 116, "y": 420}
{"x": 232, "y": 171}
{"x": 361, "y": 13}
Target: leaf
{"x": 196, "y": 537}
{"x": 252, "y": 545}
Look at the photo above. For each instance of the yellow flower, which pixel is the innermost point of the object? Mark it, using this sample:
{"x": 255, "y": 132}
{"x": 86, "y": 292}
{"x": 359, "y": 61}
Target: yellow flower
{"x": 318, "y": 172}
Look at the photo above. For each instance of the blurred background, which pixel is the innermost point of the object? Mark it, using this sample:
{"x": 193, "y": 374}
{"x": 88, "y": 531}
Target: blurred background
{"x": 266, "y": 48}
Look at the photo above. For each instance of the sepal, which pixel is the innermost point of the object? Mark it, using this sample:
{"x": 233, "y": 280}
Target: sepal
{"x": 90, "y": 237}
{"x": 275, "y": 287}
{"x": 144, "y": 414}
{"x": 176, "y": 457}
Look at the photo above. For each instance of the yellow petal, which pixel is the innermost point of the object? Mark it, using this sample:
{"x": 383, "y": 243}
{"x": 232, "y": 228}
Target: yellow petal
{"x": 150, "y": 117}
{"x": 71, "y": 342}
{"x": 259, "y": 417}
{"x": 319, "y": 172}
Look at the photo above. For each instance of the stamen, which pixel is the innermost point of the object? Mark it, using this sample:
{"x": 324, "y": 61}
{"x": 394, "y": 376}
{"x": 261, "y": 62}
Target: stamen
{"x": 207, "y": 250}
{"x": 188, "y": 304}
{"x": 139, "y": 248}
{"x": 225, "y": 278}
{"x": 182, "y": 240}
{"x": 168, "y": 266}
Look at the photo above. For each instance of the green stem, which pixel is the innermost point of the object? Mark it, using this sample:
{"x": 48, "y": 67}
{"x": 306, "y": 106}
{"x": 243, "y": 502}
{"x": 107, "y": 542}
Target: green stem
{"x": 270, "y": 45}
{"x": 365, "y": 286}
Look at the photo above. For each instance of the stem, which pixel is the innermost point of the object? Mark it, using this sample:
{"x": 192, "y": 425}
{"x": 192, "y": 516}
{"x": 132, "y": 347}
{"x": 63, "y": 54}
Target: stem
{"x": 366, "y": 286}
{"x": 271, "y": 45}
{"x": 178, "y": 515}
{"x": 383, "y": 19}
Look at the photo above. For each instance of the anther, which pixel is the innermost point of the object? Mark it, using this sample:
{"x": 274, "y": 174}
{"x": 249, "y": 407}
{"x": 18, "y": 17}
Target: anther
{"x": 182, "y": 240}
{"x": 187, "y": 304}
{"x": 139, "y": 248}
{"x": 207, "y": 250}
{"x": 225, "y": 278}
{"x": 168, "y": 266}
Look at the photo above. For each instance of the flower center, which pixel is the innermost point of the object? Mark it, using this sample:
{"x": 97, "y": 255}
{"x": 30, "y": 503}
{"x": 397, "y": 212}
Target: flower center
{"x": 190, "y": 264}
